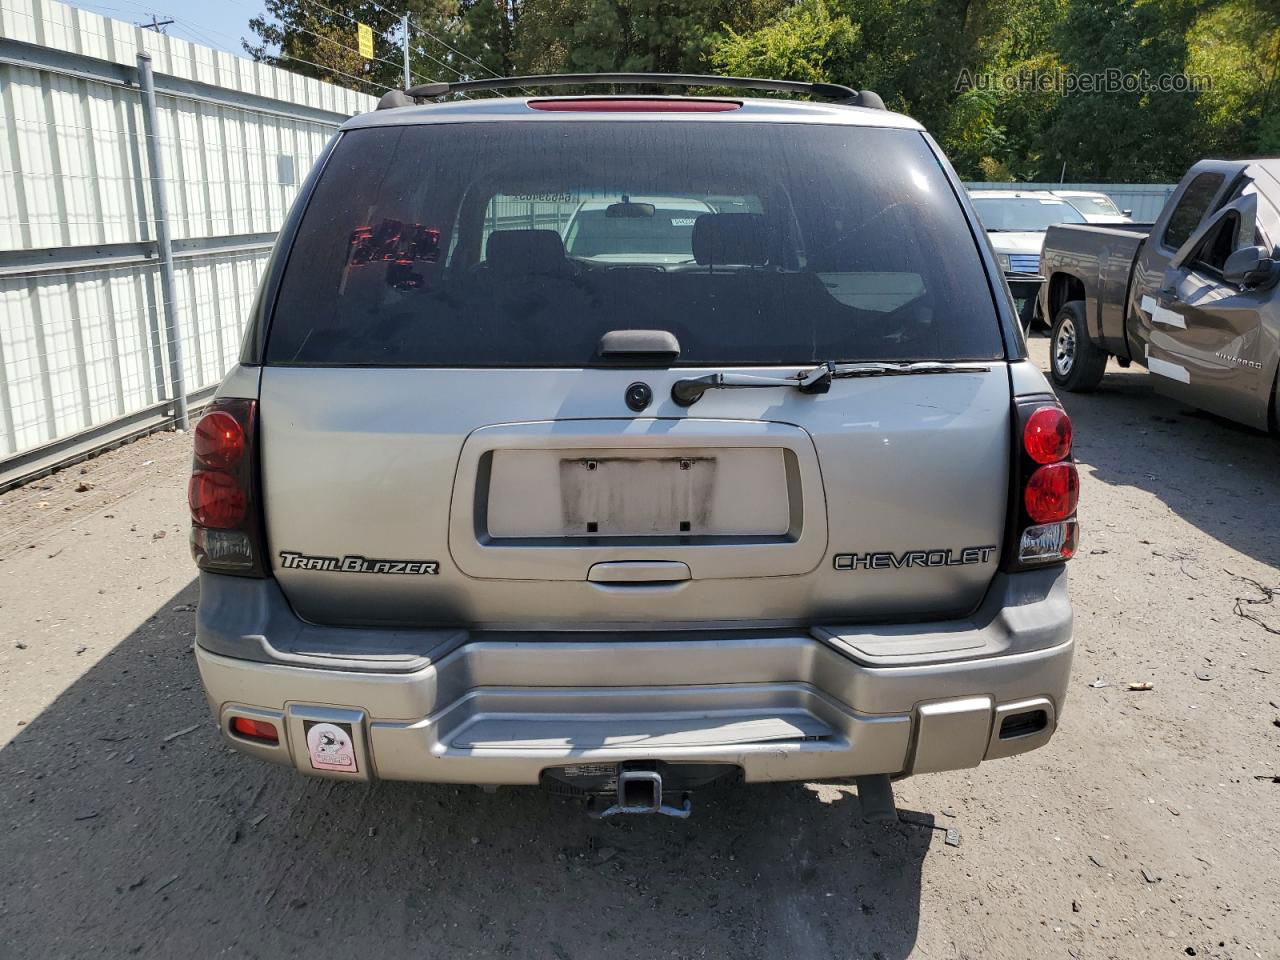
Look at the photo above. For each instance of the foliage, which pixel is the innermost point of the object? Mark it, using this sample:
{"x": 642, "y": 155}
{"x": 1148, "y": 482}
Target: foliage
{"x": 1123, "y": 135}
{"x": 979, "y": 74}
{"x": 804, "y": 43}
{"x": 1237, "y": 45}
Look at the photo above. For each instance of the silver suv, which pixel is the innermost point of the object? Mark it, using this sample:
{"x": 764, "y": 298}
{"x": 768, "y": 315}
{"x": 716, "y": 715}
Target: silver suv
{"x": 793, "y": 505}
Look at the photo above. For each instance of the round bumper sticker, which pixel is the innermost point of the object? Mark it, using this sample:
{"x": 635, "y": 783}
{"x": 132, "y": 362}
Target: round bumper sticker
{"x": 329, "y": 745}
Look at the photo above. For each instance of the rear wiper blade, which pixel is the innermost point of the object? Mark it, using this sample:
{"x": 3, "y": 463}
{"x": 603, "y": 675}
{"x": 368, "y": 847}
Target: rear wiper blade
{"x": 905, "y": 369}
{"x": 689, "y": 391}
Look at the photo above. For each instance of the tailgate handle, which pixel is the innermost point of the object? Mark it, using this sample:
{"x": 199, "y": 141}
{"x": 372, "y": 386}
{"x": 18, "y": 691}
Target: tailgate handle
{"x": 639, "y": 572}
{"x": 650, "y": 348}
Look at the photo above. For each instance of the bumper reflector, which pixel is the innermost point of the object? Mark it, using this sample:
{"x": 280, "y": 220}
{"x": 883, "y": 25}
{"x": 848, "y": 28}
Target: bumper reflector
{"x": 252, "y": 729}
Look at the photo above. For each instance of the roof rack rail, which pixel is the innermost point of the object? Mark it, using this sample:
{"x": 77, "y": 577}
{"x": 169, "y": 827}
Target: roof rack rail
{"x": 827, "y": 91}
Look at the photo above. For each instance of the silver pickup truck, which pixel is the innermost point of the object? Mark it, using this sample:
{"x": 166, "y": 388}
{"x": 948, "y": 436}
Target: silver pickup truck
{"x": 1191, "y": 297}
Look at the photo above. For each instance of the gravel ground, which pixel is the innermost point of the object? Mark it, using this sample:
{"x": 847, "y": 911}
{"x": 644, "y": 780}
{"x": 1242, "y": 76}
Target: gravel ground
{"x": 1147, "y": 828}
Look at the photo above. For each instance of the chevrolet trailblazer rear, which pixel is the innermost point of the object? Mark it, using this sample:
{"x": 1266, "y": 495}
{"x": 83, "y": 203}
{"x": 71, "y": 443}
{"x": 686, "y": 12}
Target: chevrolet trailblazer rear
{"x": 774, "y": 496}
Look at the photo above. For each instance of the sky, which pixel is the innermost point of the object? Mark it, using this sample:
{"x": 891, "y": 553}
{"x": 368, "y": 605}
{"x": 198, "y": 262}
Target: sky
{"x": 213, "y": 23}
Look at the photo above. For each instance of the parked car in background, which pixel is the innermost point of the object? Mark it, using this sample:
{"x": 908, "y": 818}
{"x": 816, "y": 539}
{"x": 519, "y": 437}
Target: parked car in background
{"x": 482, "y": 505}
{"x": 1095, "y": 207}
{"x": 1193, "y": 299}
{"x": 626, "y": 229}
{"x": 1016, "y": 221}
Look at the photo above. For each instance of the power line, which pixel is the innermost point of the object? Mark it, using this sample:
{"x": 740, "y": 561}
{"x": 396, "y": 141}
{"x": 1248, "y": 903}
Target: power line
{"x": 447, "y": 46}
{"x": 156, "y": 25}
{"x": 458, "y": 73}
{"x": 343, "y": 46}
{"x": 286, "y": 55}
{"x": 372, "y": 83}
{"x": 379, "y": 6}
{"x": 461, "y": 54}
{"x": 337, "y": 13}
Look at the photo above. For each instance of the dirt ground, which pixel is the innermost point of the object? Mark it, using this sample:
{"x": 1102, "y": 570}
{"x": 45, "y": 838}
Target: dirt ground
{"x": 1147, "y": 828}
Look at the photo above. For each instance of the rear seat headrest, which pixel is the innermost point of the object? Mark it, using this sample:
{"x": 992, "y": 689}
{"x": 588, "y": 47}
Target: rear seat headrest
{"x": 730, "y": 238}
{"x": 526, "y": 251}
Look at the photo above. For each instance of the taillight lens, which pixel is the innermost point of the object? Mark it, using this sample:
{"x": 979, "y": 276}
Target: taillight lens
{"x": 255, "y": 729}
{"x": 219, "y": 440}
{"x": 1042, "y": 511}
{"x": 1052, "y": 493}
{"x": 226, "y": 531}
{"x": 216, "y": 499}
{"x": 1047, "y": 435}
{"x": 1048, "y": 542}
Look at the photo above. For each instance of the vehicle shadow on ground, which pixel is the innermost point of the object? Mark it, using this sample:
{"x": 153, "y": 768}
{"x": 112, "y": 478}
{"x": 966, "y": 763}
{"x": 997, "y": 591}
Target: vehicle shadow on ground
{"x": 1218, "y": 475}
{"x": 127, "y": 833}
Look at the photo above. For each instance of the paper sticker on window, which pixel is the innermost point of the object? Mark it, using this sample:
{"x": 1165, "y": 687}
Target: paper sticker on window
{"x": 329, "y": 745}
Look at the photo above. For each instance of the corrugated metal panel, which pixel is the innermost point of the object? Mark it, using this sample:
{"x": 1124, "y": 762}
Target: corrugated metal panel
{"x": 1146, "y": 200}
{"x": 84, "y": 345}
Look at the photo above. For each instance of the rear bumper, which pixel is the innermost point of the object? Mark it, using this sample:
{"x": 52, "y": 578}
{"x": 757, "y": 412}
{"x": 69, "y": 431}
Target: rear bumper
{"x": 492, "y": 708}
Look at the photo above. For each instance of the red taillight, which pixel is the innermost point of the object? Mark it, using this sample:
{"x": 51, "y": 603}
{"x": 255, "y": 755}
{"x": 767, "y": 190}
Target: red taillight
{"x": 621, "y": 105}
{"x": 1047, "y": 435}
{"x": 219, "y": 440}
{"x": 226, "y": 530}
{"x": 216, "y": 499}
{"x": 1052, "y": 493}
{"x": 255, "y": 729}
{"x": 1042, "y": 524}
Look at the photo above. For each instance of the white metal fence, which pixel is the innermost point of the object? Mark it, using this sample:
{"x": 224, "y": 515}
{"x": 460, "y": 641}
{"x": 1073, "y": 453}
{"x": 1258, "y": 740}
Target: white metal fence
{"x": 83, "y": 351}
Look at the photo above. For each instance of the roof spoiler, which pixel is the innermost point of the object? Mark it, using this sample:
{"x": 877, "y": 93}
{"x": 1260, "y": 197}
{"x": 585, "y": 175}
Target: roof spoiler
{"x": 826, "y": 91}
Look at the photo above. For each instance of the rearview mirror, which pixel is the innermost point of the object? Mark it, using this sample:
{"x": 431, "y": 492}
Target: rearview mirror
{"x": 630, "y": 211}
{"x": 1249, "y": 267}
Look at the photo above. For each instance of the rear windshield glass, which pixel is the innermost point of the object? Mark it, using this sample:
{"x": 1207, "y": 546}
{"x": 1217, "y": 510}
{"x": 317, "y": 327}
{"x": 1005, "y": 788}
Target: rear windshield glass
{"x": 522, "y": 243}
{"x": 1024, "y": 214}
{"x": 1101, "y": 206}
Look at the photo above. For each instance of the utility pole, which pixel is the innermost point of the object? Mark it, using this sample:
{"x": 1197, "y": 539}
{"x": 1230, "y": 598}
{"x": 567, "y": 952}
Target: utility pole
{"x": 408, "y": 77}
{"x": 156, "y": 25}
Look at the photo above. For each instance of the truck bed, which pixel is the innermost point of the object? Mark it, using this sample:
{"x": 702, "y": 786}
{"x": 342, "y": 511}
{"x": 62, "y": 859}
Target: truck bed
{"x": 1092, "y": 263}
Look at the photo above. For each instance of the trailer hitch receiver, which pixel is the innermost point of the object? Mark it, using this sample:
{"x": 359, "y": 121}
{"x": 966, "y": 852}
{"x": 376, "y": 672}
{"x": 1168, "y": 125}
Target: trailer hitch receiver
{"x": 640, "y": 791}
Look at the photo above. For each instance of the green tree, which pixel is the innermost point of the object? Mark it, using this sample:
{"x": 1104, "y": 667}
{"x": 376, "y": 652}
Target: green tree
{"x": 1125, "y": 136}
{"x": 1236, "y": 46}
{"x": 964, "y": 68}
{"x": 448, "y": 40}
{"x": 662, "y": 36}
{"x": 973, "y": 139}
{"x": 320, "y": 41}
{"x": 914, "y": 54}
{"x": 805, "y": 43}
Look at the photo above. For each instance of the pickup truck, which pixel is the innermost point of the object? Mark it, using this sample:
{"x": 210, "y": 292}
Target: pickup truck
{"x": 1192, "y": 297}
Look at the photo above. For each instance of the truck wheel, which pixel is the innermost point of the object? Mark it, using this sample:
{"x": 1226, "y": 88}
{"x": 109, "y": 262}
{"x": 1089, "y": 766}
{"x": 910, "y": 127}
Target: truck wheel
{"x": 1076, "y": 363}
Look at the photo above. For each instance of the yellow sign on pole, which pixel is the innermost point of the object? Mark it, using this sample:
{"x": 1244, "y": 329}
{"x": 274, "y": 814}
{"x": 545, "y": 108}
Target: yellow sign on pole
{"x": 364, "y": 38}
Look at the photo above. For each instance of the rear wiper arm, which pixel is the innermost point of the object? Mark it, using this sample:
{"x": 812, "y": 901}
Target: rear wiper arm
{"x": 689, "y": 391}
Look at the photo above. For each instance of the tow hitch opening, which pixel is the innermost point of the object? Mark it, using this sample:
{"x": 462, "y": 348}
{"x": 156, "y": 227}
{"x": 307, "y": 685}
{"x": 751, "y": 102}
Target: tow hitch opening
{"x": 640, "y": 791}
